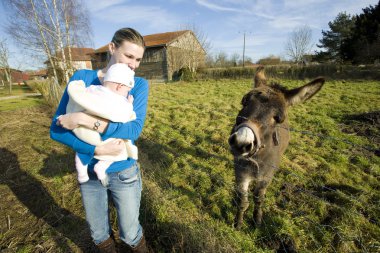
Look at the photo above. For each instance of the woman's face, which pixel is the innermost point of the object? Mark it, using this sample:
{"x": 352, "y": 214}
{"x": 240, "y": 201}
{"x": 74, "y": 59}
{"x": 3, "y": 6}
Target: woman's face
{"x": 128, "y": 53}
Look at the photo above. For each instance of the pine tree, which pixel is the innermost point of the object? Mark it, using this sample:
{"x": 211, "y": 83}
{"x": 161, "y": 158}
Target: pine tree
{"x": 333, "y": 40}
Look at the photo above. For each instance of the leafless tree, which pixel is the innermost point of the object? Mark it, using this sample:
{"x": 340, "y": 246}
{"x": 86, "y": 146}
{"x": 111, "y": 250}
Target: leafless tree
{"x": 235, "y": 57}
{"x": 4, "y": 64}
{"x": 299, "y": 43}
{"x": 200, "y": 35}
{"x": 48, "y": 29}
{"x": 221, "y": 59}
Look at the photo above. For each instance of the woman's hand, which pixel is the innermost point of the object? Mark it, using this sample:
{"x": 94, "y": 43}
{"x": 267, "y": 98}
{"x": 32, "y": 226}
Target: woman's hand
{"x": 114, "y": 147}
{"x": 70, "y": 120}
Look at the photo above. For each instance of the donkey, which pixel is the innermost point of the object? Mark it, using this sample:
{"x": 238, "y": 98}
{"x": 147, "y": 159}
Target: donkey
{"x": 260, "y": 136}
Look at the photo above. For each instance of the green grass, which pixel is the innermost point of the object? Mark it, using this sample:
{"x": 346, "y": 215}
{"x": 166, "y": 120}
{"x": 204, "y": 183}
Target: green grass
{"x": 9, "y": 104}
{"x": 21, "y": 102}
{"x": 331, "y": 199}
{"x": 324, "y": 198}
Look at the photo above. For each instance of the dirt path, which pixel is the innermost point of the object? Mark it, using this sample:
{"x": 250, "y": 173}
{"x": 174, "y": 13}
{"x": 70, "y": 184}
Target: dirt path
{"x": 20, "y": 96}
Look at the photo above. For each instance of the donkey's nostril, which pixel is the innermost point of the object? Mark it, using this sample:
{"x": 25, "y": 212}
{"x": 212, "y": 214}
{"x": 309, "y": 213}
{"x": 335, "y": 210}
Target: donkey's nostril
{"x": 248, "y": 148}
{"x": 232, "y": 139}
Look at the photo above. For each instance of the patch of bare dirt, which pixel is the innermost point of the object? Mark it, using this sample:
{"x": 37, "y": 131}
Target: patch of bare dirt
{"x": 365, "y": 124}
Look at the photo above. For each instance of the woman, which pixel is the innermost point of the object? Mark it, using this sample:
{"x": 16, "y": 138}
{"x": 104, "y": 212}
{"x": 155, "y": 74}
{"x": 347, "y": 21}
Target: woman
{"x": 124, "y": 187}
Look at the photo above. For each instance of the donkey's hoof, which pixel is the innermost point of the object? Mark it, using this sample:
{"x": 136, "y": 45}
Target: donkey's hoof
{"x": 238, "y": 224}
{"x": 257, "y": 224}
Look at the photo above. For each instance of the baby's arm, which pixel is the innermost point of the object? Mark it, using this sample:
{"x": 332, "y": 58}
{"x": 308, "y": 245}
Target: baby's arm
{"x": 130, "y": 99}
{"x": 116, "y": 110}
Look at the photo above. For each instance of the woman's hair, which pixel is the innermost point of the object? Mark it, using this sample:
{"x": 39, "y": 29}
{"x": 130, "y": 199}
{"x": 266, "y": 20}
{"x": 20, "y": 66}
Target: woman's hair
{"x": 128, "y": 34}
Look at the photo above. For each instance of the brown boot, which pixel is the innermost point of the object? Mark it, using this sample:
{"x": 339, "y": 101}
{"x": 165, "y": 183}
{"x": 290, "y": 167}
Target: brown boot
{"x": 142, "y": 247}
{"x": 108, "y": 246}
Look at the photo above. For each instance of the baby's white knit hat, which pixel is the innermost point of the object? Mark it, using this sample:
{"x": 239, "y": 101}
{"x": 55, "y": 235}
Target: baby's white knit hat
{"x": 120, "y": 73}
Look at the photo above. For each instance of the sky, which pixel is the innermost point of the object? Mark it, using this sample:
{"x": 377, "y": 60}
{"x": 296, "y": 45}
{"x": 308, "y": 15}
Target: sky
{"x": 266, "y": 24}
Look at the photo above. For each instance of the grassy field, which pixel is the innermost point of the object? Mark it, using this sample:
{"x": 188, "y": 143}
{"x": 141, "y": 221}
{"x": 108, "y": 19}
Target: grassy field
{"x": 325, "y": 196}
{"x": 20, "y": 98}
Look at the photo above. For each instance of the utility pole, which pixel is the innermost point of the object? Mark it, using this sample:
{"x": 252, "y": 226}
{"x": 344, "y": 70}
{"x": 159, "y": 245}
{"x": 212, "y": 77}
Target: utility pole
{"x": 243, "y": 48}
{"x": 244, "y": 32}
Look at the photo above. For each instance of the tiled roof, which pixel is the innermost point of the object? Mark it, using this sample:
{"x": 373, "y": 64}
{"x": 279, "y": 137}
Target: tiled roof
{"x": 152, "y": 40}
{"x": 162, "y": 38}
{"x": 41, "y": 72}
{"x": 78, "y": 54}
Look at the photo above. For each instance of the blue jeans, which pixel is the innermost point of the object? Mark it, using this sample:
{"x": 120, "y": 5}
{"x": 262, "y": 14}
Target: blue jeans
{"x": 125, "y": 190}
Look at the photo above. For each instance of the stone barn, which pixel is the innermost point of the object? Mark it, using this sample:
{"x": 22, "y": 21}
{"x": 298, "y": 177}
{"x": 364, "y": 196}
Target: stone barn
{"x": 165, "y": 54}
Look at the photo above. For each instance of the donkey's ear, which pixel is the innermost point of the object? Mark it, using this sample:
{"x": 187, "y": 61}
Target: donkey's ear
{"x": 259, "y": 78}
{"x": 301, "y": 94}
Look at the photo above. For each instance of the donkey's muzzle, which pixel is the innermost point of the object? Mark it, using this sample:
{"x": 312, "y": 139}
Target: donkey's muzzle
{"x": 243, "y": 141}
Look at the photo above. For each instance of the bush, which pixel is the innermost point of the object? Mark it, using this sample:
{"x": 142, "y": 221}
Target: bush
{"x": 333, "y": 71}
{"x": 184, "y": 74}
{"x": 49, "y": 89}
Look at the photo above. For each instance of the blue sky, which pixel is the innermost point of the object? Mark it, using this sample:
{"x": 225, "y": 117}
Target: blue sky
{"x": 266, "y": 23}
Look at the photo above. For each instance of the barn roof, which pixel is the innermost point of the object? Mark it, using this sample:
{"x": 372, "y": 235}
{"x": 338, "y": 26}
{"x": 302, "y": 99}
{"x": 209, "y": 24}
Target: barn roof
{"x": 41, "y": 72}
{"x": 153, "y": 40}
{"x": 78, "y": 53}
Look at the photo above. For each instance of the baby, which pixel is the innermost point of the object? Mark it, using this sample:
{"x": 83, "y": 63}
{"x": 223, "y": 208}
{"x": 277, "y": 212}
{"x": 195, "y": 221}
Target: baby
{"x": 109, "y": 101}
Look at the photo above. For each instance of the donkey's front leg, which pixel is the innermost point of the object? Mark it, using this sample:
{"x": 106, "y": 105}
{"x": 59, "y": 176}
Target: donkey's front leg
{"x": 259, "y": 196}
{"x": 241, "y": 201}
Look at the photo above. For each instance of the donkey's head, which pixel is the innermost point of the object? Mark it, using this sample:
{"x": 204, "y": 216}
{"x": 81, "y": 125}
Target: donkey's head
{"x": 264, "y": 110}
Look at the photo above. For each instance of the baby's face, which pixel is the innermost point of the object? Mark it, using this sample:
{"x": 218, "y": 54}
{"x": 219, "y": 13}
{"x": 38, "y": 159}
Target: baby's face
{"x": 123, "y": 90}
{"x": 119, "y": 88}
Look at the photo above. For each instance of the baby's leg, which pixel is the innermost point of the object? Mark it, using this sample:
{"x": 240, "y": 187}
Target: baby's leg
{"x": 100, "y": 170}
{"x": 81, "y": 169}
{"x": 131, "y": 149}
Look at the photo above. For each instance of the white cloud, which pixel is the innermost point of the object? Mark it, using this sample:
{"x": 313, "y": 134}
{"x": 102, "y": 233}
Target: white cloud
{"x": 286, "y": 22}
{"x": 219, "y": 5}
{"x": 308, "y": 4}
{"x": 100, "y": 5}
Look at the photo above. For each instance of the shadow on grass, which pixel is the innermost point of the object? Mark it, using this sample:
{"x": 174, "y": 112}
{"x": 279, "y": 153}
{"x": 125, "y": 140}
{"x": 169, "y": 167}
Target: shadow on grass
{"x": 31, "y": 193}
{"x": 57, "y": 164}
{"x": 160, "y": 154}
{"x": 173, "y": 235}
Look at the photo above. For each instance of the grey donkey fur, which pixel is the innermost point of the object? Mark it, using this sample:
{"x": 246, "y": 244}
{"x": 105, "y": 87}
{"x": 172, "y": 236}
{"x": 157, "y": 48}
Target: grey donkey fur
{"x": 260, "y": 137}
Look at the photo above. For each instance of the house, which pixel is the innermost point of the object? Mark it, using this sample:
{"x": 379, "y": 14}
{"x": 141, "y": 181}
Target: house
{"x": 38, "y": 75}
{"x": 81, "y": 57}
{"x": 17, "y": 76}
{"x": 165, "y": 54}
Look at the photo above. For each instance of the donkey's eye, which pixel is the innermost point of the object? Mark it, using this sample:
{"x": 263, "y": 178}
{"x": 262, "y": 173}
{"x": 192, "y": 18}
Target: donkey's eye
{"x": 278, "y": 118}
